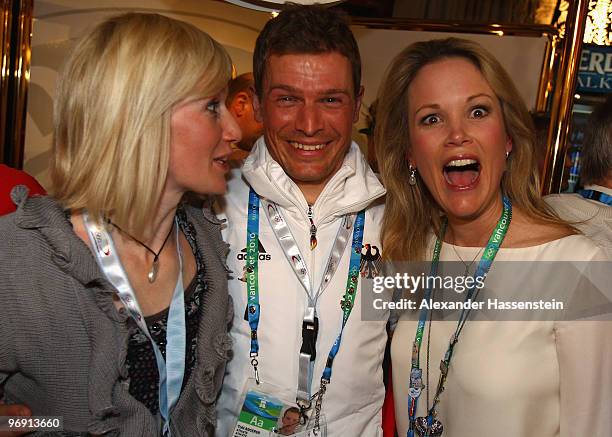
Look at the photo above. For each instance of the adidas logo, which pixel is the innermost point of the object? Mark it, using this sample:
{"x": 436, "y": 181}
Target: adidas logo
{"x": 263, "y": 255}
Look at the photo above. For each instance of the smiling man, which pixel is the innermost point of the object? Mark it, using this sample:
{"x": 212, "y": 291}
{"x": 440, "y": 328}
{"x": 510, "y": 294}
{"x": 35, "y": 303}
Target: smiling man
{"x": 301, "y": 214}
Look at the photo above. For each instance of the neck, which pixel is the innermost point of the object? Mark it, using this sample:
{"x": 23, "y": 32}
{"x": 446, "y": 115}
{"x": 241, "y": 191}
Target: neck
{"x": 311, "y": 192}
{"x": 474, "y": 232}
{"x": 246, "y": 144}
{"x": 162, "y": 220}
{"x": 157, "y": 229}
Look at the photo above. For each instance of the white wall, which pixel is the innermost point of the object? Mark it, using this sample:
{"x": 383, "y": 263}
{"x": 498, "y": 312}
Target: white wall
{"x": 58, "y": 23}
{"x": 521, "y": 56}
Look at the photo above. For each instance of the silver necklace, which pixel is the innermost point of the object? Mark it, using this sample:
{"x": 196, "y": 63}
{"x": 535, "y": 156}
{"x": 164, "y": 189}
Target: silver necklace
{"x": 467, "y": 266}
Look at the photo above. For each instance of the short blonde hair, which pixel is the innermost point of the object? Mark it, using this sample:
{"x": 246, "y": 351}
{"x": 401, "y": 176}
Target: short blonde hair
{"x": 112, "y": 112}
{"x": 411, "y": 214}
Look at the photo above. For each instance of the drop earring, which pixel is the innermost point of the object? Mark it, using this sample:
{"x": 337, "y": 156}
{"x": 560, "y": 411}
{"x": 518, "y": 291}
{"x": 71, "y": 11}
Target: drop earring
{"x": 412, "y": 178}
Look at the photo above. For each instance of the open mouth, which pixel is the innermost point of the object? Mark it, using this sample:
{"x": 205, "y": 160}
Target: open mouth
{"x": 307, "y": 147}
{"x": 461, "y": 172}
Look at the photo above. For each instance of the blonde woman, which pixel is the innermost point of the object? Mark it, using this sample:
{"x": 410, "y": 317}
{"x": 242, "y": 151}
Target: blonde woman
{"x": 113, "y": 300}
{"x": 455, "y": 150}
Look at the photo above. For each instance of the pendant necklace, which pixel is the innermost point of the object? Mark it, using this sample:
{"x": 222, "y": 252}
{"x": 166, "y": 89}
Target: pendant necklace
{"x": 152, "y": 275}
{"x": 430, "y": 426}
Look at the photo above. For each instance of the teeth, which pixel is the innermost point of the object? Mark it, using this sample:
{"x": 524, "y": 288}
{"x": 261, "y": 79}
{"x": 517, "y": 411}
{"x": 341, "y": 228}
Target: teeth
{"x": 461, "y": 162}
{"x": 307, "y": 147}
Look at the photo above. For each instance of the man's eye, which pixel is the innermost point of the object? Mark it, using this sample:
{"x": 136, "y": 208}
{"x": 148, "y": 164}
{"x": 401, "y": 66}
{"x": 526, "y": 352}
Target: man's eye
{"x": 286, "y": 99}
{"x": 430, "y": 119}
{"x": 331, "y": 100}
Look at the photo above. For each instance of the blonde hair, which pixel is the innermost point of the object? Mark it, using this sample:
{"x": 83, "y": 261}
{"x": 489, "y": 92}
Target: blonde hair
{"x": 411, "y": 213}
{"x": 113, "y": 107}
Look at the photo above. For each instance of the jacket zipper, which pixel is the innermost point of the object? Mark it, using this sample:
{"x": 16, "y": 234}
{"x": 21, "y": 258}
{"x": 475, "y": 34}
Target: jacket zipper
{"x": 313, "y": 228}
{"x": 339, "y": 212}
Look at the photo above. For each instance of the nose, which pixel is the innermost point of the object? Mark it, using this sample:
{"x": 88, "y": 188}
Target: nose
{"x": 457, "y": 133}
{"x": 309, "y": 120}
{"x": 231, "y": 130}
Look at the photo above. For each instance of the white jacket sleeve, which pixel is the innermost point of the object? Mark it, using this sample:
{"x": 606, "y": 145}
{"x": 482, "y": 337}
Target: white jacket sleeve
{"x": 584, "y": 350}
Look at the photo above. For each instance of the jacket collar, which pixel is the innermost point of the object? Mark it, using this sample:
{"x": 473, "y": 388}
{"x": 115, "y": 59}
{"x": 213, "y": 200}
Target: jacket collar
{"x": 599, "y": 188}
{"x": 352, "y": 188}
{"x": 70, "y": 253}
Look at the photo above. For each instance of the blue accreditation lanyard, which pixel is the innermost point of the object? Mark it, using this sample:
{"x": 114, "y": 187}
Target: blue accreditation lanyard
{"x": 310, "y": 322}
{"x": 172, "y": 369}
{"x": 598, "y": 196}
{"x": 429, "y": 426}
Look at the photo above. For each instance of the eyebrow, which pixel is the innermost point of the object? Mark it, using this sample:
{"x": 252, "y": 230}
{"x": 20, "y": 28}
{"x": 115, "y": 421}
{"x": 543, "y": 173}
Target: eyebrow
{"x": 469, "y": 99}
{"x": 475, "y": 96}
{"x": 291, "y": 89}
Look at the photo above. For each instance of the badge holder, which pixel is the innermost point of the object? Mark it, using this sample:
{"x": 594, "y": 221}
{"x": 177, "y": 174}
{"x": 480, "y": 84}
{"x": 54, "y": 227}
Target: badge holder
{"x": 266, "y": 411}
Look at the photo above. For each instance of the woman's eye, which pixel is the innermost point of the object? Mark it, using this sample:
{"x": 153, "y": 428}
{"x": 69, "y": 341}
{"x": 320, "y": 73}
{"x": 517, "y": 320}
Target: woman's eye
{"x": 213, "y": 106}
{"x": 430, "y": 119}
{"x": 479, "y": 112}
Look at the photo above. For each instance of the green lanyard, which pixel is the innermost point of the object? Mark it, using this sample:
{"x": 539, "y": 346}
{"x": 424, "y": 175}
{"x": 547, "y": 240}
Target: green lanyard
{"x": 414, "y": 391}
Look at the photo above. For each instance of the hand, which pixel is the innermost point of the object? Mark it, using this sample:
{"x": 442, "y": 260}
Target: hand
{"x": 14, "y": 410}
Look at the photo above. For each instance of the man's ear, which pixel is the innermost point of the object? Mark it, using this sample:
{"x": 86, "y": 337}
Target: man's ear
{"x": 239, "y": 104}
{"x": 257, "y": 110}
{"x": 358, "y": 99}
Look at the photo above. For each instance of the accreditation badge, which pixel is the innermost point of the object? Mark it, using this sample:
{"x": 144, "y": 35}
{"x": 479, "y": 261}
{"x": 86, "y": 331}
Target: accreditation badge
{"x": 266, "y": 411}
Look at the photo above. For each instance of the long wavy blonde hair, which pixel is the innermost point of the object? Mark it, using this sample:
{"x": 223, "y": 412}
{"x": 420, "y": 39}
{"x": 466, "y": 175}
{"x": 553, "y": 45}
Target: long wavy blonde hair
{"x": 112, "y": 112}
{"x": 411, "y": 213}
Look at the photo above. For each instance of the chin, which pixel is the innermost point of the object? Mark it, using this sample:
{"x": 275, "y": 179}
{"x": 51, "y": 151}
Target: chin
{"x": 218, "y": 191}
{"x": 460, "y": 205}
{"x": 468, "y": 206}
{"x": 212, "y": 190}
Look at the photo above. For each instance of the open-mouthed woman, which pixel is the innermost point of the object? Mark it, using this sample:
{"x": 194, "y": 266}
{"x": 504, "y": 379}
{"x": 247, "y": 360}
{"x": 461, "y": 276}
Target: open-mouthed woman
{"x": 455, "y": 150}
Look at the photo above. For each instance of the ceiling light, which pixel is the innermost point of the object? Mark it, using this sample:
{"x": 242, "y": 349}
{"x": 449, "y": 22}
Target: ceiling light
{"x": 276, "y": 5}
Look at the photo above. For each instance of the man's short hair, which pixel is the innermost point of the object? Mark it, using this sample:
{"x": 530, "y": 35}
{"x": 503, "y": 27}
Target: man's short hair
{"x": 312, "y": 29}
{"x": 597, "y": 146}
{"x": 242, "y": 83}
{"x": 291, "y": 410}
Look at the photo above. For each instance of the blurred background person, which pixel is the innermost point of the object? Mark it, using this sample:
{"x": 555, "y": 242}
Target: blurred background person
{"x": 239, "y": 101}
{"x": 591, "y": 209}
{"x": 368, "y": 131}
{"x": 596, "y": 173}
{"x": 114, "y": 302}
{"x": 456, "y": 152}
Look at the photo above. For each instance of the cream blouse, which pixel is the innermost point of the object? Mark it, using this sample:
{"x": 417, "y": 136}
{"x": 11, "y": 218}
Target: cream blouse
{"x": 514, "y": 378}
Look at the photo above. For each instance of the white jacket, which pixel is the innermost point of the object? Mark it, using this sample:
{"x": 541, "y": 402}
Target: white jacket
{"x": 593, "y": 218}
{"x": 354, "y": 398}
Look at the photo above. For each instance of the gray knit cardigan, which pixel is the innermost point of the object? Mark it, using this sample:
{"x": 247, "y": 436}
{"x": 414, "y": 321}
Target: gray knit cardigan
{"x": 63, "y": 343}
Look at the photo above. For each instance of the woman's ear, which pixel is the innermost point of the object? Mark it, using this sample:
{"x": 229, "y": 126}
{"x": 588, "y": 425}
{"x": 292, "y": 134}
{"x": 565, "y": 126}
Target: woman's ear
{"x": 409, "y": 159}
